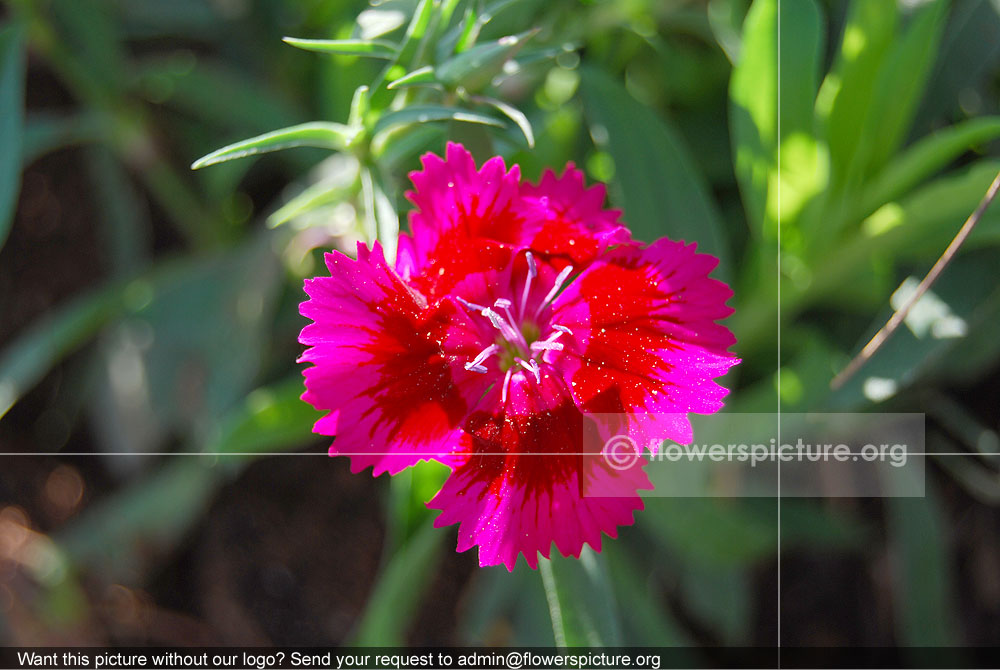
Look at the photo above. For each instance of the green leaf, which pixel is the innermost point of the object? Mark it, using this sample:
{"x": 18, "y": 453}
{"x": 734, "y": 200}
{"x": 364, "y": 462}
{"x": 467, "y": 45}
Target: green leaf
{"x": 923, "y": 223}
{"x": 924, "y": 606}
{"x": 12, "y": 64}
{"x": 466, "y": 31}
{"x": 370, "y": 48}
{"x": 924, "y": 158}
{"x": 753, "y": 120}
{"x": 398, "y": 590}
{"x": 581, "y": 600}
{"x": 844, "y": 101}
{"x": 126, "y": 227}
{"x": 661, "y": 192}
{"x": 801, "y": 51}
{"x": 645, "y": 620}
{"x": 44, "y": 133}
{"x": 32, "y": 354}
{"x": 428, "y": 113}
{"x": 512, "y": 113}
{"x": 272, "y": 418}
{"x": 475, "y": 68}
{"x": 381, "y": 221}
{"x": 324, "y": 135}
{"x": 725, "y": 18}
{"x": 423, "y": 76}
{"x": 311, "y": 198}
{"x": 360, "y": 102}
{"x": 900, "y": 86}
{"x": 416, "y": 31}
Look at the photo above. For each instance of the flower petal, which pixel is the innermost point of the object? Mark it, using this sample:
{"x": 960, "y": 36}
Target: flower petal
{"x": 389, "y": 368}
{"x": 456, "y": 204}
{"x": 525, "y": 482}
{"x": 644, "y": 340}
{"x": 566, "y": 219}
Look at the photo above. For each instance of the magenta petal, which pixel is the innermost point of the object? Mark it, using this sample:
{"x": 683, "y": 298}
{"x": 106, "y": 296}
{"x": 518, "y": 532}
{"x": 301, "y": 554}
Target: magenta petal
{"x": 645, "y": 340}
{"x": 564, "y": 218}
{"x": 395, "y": 392}
{"x": 535, "y": 476}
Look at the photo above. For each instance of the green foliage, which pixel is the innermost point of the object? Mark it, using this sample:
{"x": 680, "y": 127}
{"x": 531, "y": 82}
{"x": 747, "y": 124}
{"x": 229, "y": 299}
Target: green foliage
{"x": 11, "y": 121}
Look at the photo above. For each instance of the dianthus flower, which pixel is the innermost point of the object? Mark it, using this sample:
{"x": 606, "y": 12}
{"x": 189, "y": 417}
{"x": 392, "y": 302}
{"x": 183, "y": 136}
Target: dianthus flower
{"x": 518, "y": 330}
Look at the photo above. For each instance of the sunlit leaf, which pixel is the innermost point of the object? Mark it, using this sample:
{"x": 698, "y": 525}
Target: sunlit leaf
{"x": 370, "y": 48}
{"x": 924, "y": 158}
{"x": 420, "y": 77}
{"x": 333, "y": 136}
{"x": 428, "y": 113}
{"x": 512, "y": 113}
{"x": 475, "y": 68}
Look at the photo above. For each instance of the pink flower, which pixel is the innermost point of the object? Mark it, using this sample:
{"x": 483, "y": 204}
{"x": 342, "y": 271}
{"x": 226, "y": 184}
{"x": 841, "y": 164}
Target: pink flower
{"x": 519, "y": 329}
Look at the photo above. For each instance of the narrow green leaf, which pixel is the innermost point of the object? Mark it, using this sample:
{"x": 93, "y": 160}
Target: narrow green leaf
{"x": 311, "y": 198}
{"x": 845, "y": 97}
{"x": 12, "y": 64}
{"x": 801, "y": 51}
{"x": 44, "y": 133}
{"x": 466, "y": 32}
{"x": 271, "y": 419}
{"x": 386, "y": 220}
{"x": 646, "y": 620}
{"x": 359, "y": 107}
{"x": 924, "y": 609}
{"x": 924, "y": 158}
{"x": 369, "y": 48}
{"x": 416, "y": 31}
{"x": 922, "y": 223}
{"x": 428, "y": 113}
{"x": 324, "y": 135}
{"x": 753, "y": 118}
{"x": 475, "y": 68}
{"x": 725, "y": 18}
{"x": 398, "y": 590}
{"x": 660, "y": 190}
{"x": 900, "y": 86}
{"x": 423, "y": 76}
{"x": 30, "y": 356}
{"x": 581, "y": 600}
{"x": 512, "y": 113}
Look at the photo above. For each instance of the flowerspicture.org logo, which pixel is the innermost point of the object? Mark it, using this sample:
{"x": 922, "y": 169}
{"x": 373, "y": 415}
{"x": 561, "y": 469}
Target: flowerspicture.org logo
{"x": 513, "y": 314}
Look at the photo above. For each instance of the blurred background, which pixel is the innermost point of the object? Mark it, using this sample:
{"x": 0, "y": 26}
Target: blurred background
{"x": 149, "y": 312}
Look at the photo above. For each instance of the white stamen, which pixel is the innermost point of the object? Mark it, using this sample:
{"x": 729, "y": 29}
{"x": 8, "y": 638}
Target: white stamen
{"x": 506, "y": 385}
{"x": 471, "y": 305}
{"x": 547, "y": 345}
{"x": 563, "y": 329}
{"x": 532, "y": 273}
{"x": 505, "y": 304}
{"x": 473, "y": 367}
{"x": 560, "y": 280}
{"x": 532, "y": 367}
{"x": 508, "y": 332}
